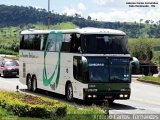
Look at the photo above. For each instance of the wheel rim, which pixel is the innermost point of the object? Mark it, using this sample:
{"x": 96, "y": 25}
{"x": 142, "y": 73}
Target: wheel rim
{"x": 34, "y": 84}
{"x": 70, "y": 93}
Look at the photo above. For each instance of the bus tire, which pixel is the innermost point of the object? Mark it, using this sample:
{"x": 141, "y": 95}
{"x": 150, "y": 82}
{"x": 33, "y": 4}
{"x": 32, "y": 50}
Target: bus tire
{"x": 110, "y": 101}
{"x": 34, "y": 84}
{"x": 29, "y": 83}
{"x": 69, "y": 92}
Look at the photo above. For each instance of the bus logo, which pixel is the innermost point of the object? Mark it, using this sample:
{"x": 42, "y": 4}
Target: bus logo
{"x": 47, "y": 80}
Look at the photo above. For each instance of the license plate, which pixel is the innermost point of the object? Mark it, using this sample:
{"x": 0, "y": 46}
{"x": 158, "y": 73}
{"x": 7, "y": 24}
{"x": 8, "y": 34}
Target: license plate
{"x": 14, "y": 72}
{"x": 108, "y": 97}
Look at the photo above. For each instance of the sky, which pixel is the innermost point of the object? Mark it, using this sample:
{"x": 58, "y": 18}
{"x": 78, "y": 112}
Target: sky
{"x": 101, "y": 10}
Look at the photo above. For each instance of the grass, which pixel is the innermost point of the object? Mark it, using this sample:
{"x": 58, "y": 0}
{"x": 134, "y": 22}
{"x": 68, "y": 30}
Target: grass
{"x": 73, "y": 111}
{"x": 4, "y": 112}
{"x": 8, "y": 52}
{"x": 69, "y": 117}
{"x": 150, "y": 79}
{"x": 6, "y": 115}
{"x": 66, "y": 25}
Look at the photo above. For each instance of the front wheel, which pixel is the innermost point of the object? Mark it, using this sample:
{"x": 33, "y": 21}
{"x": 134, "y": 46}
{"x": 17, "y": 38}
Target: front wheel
{"x": 69, "y": 92}
{"x": 110, "y": 101}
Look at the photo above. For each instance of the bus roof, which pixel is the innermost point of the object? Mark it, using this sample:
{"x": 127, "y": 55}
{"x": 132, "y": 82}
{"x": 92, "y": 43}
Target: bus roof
{"x": 87, "y": 30}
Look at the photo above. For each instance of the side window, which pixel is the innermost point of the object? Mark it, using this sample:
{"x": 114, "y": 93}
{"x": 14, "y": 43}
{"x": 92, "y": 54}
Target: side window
{"x": 66, "y": 43}
{"x": 52, "y": 42}
{"x": 26, "y": 43}
{"x": 21, "y": 41}
{"x": 30, "y": 42}
{"x": 43, "y": 41}
{"x": 77, "y": 68}
{"x": 75, "y": 43}
{"x": 36, "y": 42}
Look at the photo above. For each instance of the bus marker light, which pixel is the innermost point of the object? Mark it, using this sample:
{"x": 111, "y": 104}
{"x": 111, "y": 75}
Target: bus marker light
{"x": 125, "y": 95}
{"x": 94, "y": 96}
{"x": 89, "y": 96}
{"x": 121, "y": 95}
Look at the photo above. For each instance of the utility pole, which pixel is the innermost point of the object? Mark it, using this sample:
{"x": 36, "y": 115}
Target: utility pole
{"x": 49, "y": 17}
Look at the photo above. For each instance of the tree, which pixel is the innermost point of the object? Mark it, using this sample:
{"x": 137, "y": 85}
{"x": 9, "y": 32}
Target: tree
{"x": 89, "y": 18}
{"x": 142, "y": 49}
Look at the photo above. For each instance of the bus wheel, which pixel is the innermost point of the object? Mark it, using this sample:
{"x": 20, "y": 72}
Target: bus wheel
{"x": 110, "y": 101}
{"x": 29, "y": 83}
{"x": 69, "y": 92}
{"x": 34, "y": 84}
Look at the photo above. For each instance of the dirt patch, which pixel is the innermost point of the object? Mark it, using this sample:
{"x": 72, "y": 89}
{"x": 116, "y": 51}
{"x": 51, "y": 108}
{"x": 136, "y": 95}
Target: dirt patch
{"x": 34, "y": 100}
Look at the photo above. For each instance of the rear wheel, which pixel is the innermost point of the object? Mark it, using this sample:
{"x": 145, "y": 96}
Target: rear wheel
{"x": 29, "y": 83}
{"x": 34, "y": 84}
{"x": 69, "y": 92}
{"x": 4, "y": 75}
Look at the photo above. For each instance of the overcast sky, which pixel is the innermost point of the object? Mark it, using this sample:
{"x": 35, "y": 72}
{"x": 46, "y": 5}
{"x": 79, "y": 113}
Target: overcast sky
{"x": 102, "y": 10}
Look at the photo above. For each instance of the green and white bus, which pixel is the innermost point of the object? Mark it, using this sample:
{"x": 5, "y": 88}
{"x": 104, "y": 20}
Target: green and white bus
{"x": 86, "y": 63}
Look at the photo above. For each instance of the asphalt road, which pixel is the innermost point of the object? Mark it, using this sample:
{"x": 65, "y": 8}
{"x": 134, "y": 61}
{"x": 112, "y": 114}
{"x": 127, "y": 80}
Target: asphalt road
{"x": 145, "y": 98}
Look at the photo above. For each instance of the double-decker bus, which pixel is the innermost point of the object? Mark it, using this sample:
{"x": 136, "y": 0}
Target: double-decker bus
{"x": 85, "y": 63}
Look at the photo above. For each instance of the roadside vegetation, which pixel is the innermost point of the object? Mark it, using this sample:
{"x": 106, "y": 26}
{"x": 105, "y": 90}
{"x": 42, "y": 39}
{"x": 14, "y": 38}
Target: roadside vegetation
{"x": 24, "y": 106}
{"x": 10, "y": 36}
{"x": 146, "y": 49}
{"x": 150, "y": 79}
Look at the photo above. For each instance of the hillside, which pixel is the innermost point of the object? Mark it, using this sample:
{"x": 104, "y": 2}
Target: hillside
{"x": 22, "y": 16}
{"x": 10, "y": 36}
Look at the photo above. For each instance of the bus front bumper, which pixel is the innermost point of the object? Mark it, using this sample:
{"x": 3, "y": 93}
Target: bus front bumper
{"x": 103, "y": 95}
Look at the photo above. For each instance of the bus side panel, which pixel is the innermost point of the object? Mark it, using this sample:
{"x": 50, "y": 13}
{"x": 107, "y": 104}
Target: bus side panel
{"x": 67, "y": 74}
{"x": 32, "y": 62}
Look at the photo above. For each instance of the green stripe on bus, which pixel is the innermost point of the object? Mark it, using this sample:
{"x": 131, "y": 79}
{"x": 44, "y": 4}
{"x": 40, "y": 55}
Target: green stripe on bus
{"x": 47, "y": 80}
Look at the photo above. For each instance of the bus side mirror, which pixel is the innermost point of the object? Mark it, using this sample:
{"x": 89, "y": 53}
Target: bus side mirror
{"x": 84, "y": 64}
{"x": 135, "y": 65}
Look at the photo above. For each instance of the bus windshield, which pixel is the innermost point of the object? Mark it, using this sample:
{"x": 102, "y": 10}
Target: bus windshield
{"x": 104, "y": 44}
{"x": 102, "y": 69}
